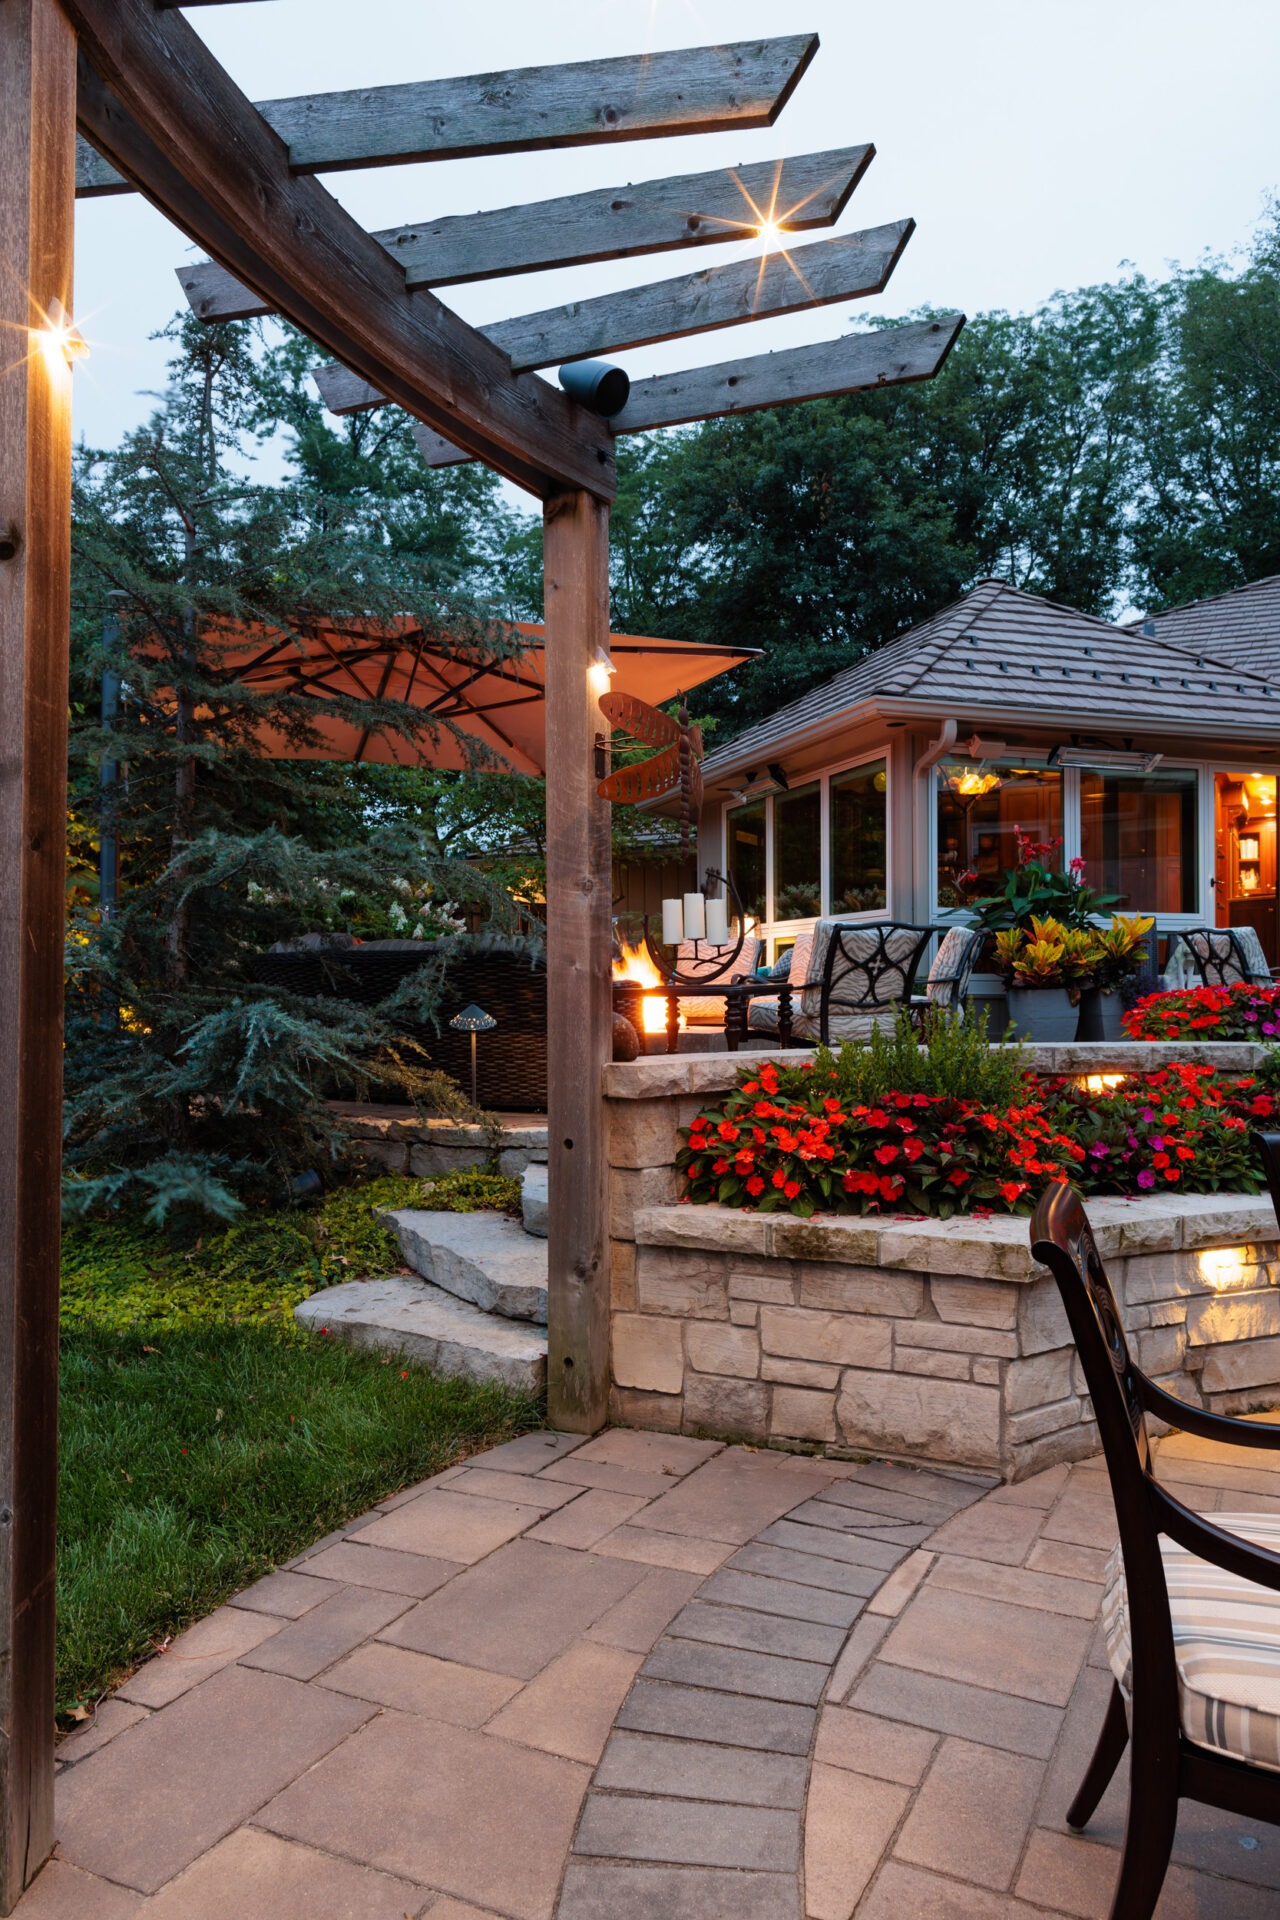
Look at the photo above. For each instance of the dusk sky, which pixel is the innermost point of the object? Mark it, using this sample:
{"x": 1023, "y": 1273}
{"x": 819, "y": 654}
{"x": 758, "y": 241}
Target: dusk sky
{"x": 1039, "y": 144}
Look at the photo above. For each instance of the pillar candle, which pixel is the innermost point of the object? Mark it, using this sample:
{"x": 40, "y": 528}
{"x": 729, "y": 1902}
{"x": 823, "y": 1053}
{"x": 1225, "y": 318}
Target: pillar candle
{"x": 672, "y": 922}
{"x": 717, "y": 923}
{"x": 695, "y": 916}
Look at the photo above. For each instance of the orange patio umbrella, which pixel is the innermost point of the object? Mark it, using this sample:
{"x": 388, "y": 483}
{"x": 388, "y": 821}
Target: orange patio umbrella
{"x": 499, "y": 704}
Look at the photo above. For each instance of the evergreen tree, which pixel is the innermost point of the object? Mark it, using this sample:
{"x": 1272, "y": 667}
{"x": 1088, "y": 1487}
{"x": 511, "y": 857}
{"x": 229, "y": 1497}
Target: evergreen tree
{"x": 192, "y": 1087}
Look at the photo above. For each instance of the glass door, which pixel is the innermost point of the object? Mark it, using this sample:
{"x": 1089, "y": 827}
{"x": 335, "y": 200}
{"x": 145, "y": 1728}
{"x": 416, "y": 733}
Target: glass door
{"x": 1244, "y": 855}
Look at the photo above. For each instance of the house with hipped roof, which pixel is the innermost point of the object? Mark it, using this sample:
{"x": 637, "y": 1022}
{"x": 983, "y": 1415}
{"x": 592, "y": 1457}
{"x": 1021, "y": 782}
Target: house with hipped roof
{"x": 904, "y": 786}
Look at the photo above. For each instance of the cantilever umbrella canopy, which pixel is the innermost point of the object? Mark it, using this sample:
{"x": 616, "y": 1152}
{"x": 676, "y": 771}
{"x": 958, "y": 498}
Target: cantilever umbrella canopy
{"x": 500, "y": 705}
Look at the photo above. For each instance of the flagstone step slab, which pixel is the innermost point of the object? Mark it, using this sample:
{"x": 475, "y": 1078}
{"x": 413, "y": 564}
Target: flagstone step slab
{"x": 412, "y": 1318}
{"x": 533, "y": 1201}
{"x": 482, "y": 1257}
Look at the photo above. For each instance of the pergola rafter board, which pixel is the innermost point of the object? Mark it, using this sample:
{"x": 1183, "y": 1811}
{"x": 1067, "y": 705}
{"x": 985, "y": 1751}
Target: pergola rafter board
{"x": 153, "y": 95}
{"x": 890, "y": 357}
{"x": 525, "y": 109}
{"x": 846, "y": 268}
{"x": 607, "y": 223}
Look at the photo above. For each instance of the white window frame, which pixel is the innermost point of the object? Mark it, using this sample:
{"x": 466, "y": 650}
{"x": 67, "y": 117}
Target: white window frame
{"x": 771, "y": 929}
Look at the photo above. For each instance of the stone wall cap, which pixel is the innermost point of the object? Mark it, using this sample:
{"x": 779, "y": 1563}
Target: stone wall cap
{"x": 995, "y": 1248}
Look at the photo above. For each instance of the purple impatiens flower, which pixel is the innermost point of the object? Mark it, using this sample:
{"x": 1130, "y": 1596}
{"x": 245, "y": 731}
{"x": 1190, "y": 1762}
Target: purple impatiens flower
{"x": 1146, "y": 1178}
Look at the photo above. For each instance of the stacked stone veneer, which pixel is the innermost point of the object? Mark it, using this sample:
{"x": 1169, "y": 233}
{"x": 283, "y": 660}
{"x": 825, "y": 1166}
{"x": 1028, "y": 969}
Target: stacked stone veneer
{"x": 400, "y": 1142}
{"x": 931, "y": 1340}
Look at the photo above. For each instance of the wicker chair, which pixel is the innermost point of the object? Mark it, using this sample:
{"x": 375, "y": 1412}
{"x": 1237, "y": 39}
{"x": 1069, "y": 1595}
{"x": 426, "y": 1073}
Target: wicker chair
{"x": 1191, "y": 1606}
{"x": 508, "y": 980}
{"x": 1216, "y": 957}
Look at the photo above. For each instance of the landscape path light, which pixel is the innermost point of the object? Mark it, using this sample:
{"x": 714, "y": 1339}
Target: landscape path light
{"x": 473, "y": 1020}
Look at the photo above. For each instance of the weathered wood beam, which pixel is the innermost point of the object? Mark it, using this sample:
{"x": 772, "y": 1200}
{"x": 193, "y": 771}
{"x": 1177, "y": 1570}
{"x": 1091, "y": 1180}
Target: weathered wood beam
{"x": 887, "y": 358}
{"x": 37, "y": 209}
{"x": 891, "y": 357}
{"x": 611, "y": 223}
{"x": 585, "y": 103}
{"x": 789, "y": 281}
{"x": 155, "y": 98}
{"x": 579, "y": 928}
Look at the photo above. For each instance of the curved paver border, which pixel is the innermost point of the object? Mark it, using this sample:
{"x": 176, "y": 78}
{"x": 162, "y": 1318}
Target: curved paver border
{"x": 696, "y": 1809}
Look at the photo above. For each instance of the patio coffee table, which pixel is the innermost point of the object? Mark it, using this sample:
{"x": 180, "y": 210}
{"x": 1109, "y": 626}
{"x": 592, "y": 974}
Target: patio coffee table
{"x": 736, "y": 995}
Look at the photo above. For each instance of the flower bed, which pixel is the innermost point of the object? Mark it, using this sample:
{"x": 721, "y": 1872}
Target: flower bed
{"x": 1245, "y": 1012}
{"x": 792, "y": 1140}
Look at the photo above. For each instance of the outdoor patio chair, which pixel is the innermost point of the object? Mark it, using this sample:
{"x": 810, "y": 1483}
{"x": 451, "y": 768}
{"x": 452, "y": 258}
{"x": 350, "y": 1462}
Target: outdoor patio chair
{"x": 696, "y": 958}
{"x": 952, "y": 969}
{"x": 846, "y": 979}
{"x": 1215, "y": 957}
{"x": 1191, "y": 1607}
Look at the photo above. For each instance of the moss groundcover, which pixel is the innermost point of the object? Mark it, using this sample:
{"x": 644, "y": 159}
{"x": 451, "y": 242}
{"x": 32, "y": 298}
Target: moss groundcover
{"x": 205, "y": 1440}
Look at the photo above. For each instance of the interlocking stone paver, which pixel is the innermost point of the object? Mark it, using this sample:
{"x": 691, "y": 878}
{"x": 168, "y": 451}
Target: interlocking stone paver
{"x": 806, "y": 1569}
{"x": 869, "y": 1526}
{"x": 608, "y": 1478}
{"x": 762, "y": 1632}
{"x": 688, "y": 1833}
{"x": 530, "y": 1452}
{"x": 640, "y": 1616}
{"x": 907, "y": 1893}
{"x": 258, "y": 1876}
{"x": 923, "y": 1700}
{"x": 890, "y": 1504}
{"x": 991, "y": 1531}
{"x": 862, "y": 1643}
{"x": 1085, "y": 1515}
{"x": 521, "y": 1489}
{"x": 307, "y": 1646}
{"x": 516, "y": 1610}
{"x": 848, "y": 1824}
{"x": 199, "y": 1769}
{"x": 358, "y": 1564}
{"x": 664, "y": 1549}
{"x": 287, "y": 1594}
{"x": 1052, "y": 1593}
{"x": 694, "y": 1770}
{"x": 213, "y": 1643}
{"x": 111, "y": 1718}
{"x": 735, "y": 1670}
{"x": 654, "y": 1706}
{"x": 61, "y": 1892}
{"x": 949, "y": 1491}
{"x": 728, "y": 1499}
{"x": 959, "y": 1636}
{"x": 417, "y": 1683}
{"x": 591, "y": 1516}
{"x": 597, "y": 1890}
{"x": 880, "y": 1748}
{"x": 858, "y": 1549}
{"x": 1041, "y": 1490}
{"x": 449, "y": 1526}
{"x": 570, "y": 1707}
{"x": 893, "y": 1594}
{"x": 782, "y": 1597}
{"x": 970, "y": 1818}
{"x": 443, "y": 1807}
{"x": 664, "y": 1453}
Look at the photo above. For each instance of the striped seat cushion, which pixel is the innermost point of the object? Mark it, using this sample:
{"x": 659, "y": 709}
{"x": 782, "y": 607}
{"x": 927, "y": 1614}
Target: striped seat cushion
{"x": 1226, "y": 1634}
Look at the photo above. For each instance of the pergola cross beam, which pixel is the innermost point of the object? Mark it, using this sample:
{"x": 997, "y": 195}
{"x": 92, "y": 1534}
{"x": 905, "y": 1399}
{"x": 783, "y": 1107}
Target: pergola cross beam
{"x": 523, "y": 110}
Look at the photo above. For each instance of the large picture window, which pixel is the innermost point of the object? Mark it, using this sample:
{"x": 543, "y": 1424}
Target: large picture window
{"x": 858, "y": 839}
{"x": 982, "y": 808}
{"x": 746, "y": 856}
{"x": 1138, "y": 835}
{"x": 797, "y": 854}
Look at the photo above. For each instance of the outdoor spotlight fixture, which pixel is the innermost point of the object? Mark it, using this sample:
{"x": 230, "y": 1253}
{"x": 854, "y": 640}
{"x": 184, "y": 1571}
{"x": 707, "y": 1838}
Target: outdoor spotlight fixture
{"x": 595, "y": 384}
{"x": 473, "y": 1020}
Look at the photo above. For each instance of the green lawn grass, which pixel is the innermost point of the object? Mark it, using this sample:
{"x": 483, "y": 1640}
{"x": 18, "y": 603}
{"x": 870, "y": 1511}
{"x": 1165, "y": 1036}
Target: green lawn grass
{"x": 204, "y": 1440}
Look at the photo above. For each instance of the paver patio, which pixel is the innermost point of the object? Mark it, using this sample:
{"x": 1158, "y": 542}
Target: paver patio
{"x": 647, "y": 1677}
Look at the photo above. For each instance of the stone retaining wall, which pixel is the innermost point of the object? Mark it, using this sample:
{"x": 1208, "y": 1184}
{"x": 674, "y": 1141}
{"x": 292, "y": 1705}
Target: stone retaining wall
{"x": 402, "y": 1143}
{"x": 927, "y": 1340}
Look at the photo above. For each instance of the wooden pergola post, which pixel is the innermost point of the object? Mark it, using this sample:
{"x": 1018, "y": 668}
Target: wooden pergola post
{"x": 579, "y": 929}
{"x": 37, "y": 202}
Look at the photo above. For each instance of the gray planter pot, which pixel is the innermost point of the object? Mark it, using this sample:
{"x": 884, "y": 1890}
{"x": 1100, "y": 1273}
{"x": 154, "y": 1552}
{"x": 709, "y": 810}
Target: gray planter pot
{"x": 1101, "y": 1015}
{"x": 1043, "y": 1013}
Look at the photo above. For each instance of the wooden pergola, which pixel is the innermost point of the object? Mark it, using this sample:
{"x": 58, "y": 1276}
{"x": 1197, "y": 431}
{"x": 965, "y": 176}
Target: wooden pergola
{"x": 160, "y": 116}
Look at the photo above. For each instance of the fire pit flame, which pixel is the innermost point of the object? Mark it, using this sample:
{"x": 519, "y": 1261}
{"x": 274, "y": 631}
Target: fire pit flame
{"x": 635, "y": 964}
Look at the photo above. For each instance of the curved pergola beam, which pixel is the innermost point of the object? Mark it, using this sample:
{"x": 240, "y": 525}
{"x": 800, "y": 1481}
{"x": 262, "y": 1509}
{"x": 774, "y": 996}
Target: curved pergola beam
{"x": 155, "y": 100}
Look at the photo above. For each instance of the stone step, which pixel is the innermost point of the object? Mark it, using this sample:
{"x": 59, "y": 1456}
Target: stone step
{"x": 482, "y": 1257}
{"x": 533, "y": 1201}
{"x": 412, "y": 1318}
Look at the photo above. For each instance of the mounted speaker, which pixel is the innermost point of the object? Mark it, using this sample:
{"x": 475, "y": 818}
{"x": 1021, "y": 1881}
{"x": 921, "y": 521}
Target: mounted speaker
{"x": 597, "y": 385}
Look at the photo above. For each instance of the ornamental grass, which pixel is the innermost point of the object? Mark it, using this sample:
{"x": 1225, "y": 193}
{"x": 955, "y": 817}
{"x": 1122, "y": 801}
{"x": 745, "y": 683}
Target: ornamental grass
{"x": 794, "y": 1140}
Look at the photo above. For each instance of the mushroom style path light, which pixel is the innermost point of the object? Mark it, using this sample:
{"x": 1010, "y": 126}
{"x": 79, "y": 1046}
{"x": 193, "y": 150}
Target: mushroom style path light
{"x": 473, "y": 1020}
{"x": 157, "y": 114}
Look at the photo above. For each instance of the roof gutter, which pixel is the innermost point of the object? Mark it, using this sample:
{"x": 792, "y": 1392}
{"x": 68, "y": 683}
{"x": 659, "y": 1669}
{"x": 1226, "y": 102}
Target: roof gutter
{"x": 939, "y": 749}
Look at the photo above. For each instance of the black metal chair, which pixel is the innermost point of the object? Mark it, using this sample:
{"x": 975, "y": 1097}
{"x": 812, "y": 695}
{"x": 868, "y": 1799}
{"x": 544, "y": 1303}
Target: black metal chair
{"x": 1186, "y": 1597}
{"x": 948, "y": 980}
{"x": 866, "y": 972}
{"x": 1222, "y": 956}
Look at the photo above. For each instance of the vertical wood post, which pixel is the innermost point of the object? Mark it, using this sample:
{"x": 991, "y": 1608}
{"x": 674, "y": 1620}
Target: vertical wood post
{"x": 37, "y": 189}
{"x": 579, "y": 936}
